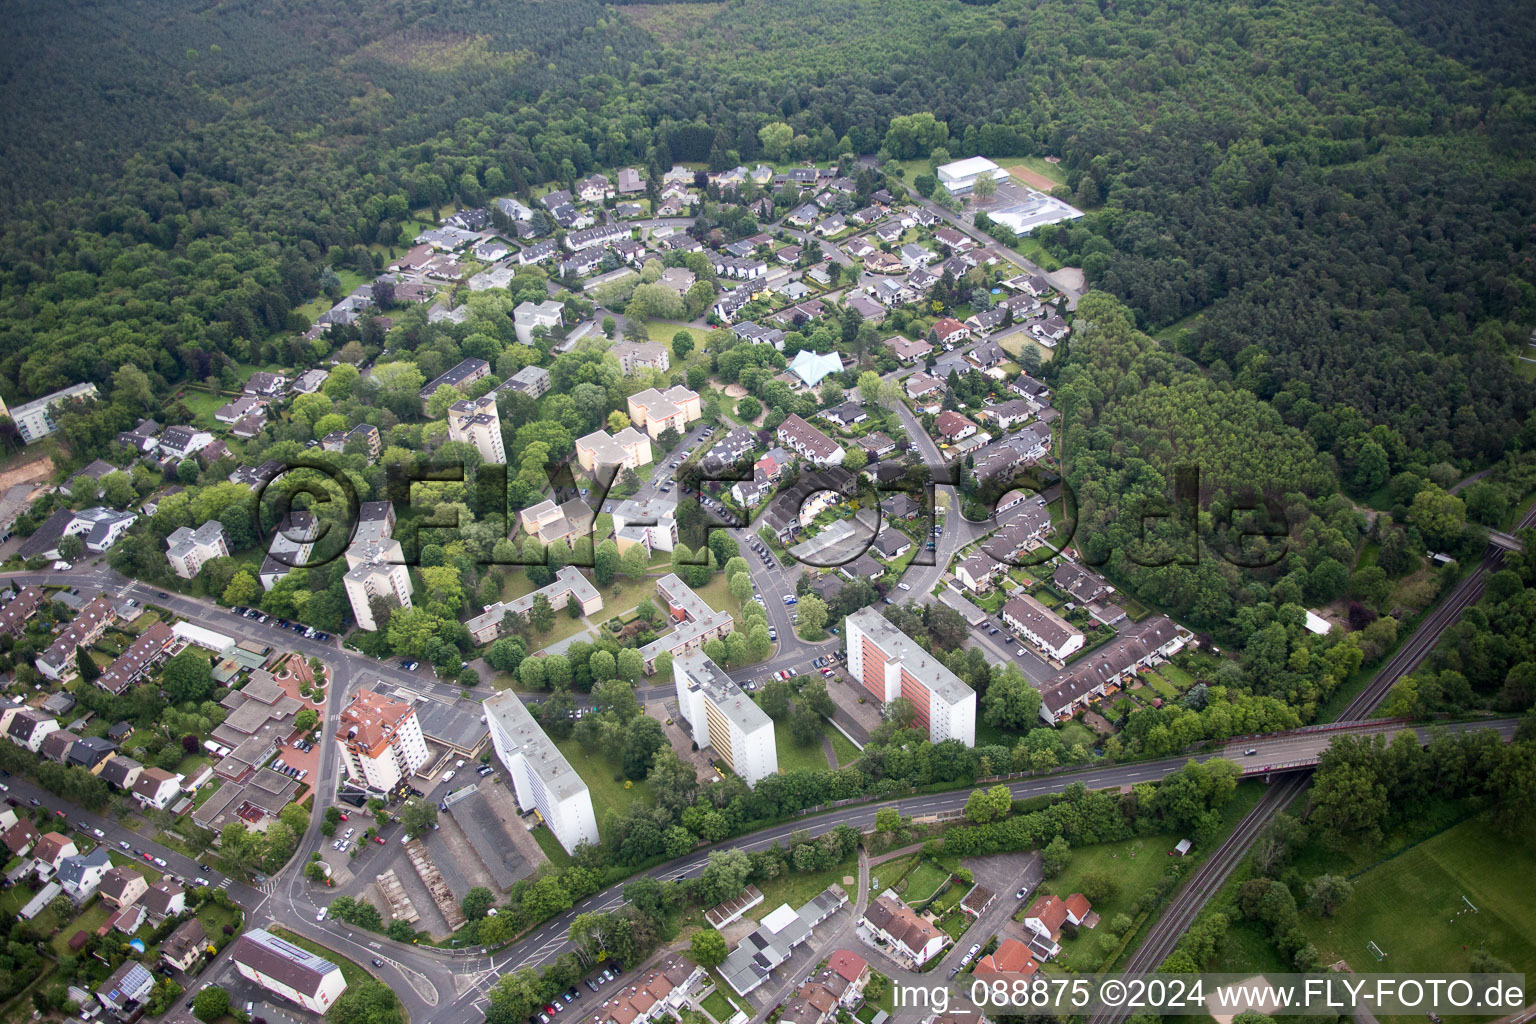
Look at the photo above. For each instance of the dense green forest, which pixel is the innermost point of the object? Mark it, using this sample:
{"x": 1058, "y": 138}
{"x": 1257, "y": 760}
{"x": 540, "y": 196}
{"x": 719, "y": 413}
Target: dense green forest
{"x": 1326, "y": 204}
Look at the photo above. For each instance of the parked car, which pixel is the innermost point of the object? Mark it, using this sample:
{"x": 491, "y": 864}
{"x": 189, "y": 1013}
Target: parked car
{"x": 1021, "y": 893}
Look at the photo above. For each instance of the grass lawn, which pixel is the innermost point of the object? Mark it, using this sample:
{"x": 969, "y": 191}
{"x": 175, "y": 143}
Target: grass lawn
{"x": 88, "y": 921}
{"x": 204, "y": 405}
{"x": 846, "y": 752}
{"x": 955, "y": 924}
{"x": 662, "y": 332}
{"x": 1040, "y": 165}
{"x": 597, "y": 771}
{"x": 552, "y": 848}
{"x": 623, "y": 595}
{"x": 797, "y": 889}
{"x": 892, "y": 871}
{"x": 564, "y": 627}
{"x": 793, "y": 757}
{"x": 1134, "y": 609}
{"x": 717, "y": 1006}
{"x": 351, "y": 971}
{"x": 1016, "y": 343}
{"x": 1175, "y": 675}
{"x": 350, "y": 279}
{"x": 717, "y": 594}
{"x": 924, "y": 882}
{"x": 214, "y": 917}
{"x": 1429, "y": 881}
{"x": 1162, "y": 687}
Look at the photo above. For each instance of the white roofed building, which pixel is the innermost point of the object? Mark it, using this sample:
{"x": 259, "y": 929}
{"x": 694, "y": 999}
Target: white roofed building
{"x": 542, "y": 778}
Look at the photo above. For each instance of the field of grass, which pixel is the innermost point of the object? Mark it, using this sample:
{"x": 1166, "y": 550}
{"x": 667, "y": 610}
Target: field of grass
{"x": 793, "y": 757}
{"x": 1039, "y": 165}
{"x": 717, "y": 594}
{"x": 1411, "y": 906}
{"x": 1175, "y": 675}
{"x": 203, "y": 405}
{"x": 891, "y": 872}
{"x": 923, "y": 882}
{"x": 1015, "y": 343}
{"x": 718, "y": 1007}
{"x": 846, "y": 752}
{"x": 597, "y": 771}
{"x": 551, "y": 847}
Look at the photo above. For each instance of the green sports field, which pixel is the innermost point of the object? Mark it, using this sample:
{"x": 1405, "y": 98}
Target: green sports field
{"x": 1411, "y": 906}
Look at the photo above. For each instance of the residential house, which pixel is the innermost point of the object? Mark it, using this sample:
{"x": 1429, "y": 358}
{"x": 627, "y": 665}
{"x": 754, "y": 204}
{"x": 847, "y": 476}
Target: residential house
{"x": 847, "y": 414}
{"x": 52, "y": 850}
{"x": 914, "y": 255}
{"x": 630, "y": 181}
{"x": 986, "y": 355}
{"x": 1081, "y": 584}
{"x": 950, "y": 332}
{"x": 1050, "y": 330}
{"x": 805, "y": 440}
{"x": 875, "y": 445}
{"x": 950, "y": 426}
{"x": 81, "y": 874}
{"x": 1141, "y": 645}
{"x": 978, "y": 572}
{"x": 891, "y": 544}
{"x": 121, "y": 772}
{"x": 184, "y": 945}
{"x": 98, "y": 527}
{"x": 163, "y": 899}
{"x": 84, "y": 630}
{"x": 126, "y": 991}
{"x": 143, "y": 438}
{"x": 894, "y": 923}
{"x": 266, "y": 385}
{"x": 1053, "y": 635}
{"x": 1007, "y": 414}
{"x": 921, "y": 384}
{"x": 121, "y": 887}
{"x": 1049, "y": 913}
{"x": 906, "y": 350}
{"x": 156, "y": 787}
{"x": 286, "y": 970}
{"x": 1010, "y": 957}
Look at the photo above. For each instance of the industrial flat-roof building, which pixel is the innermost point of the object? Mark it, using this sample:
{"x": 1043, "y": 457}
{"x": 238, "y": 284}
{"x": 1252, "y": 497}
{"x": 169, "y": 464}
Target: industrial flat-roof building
{"x": 724, "y": 717}
{"x": 890, "y": 664}
{"x": 541, "y": 776}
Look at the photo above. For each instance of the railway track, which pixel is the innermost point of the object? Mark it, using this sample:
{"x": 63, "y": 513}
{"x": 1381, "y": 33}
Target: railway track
{"x": 1210, "y": 876}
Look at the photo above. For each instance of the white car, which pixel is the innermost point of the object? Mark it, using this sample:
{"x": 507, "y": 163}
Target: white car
{"x": 160, "y": 862}
{"x": 98, "y": 833}
{"x": 1019, "y": 652}
{"x": 903, "y": 586}
{"x": 323, "y": 911}
{"x": 449, "y": 774}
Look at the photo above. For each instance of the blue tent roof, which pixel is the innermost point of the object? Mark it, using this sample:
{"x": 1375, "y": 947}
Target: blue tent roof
{"x": 811, "y": 367}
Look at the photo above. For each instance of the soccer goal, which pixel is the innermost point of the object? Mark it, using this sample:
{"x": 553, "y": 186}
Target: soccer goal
{"x": 1376, "y": 951}
{"x": 1469, "y": 905}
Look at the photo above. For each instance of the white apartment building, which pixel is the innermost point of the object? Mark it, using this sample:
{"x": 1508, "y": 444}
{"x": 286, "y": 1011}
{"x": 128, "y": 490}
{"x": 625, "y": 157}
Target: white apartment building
{"x": 890, "y": 664}
{"x": 35, "y": 419}
{"x": 529, "y": 315}
{"x": 286, "y": 970}
{"x": 652, "y": 523}
{"x": 381, "y": 741}
{"x": 187, "y": 550}
{"x": 658, "y": 410}
{"x": 476, "y": 421}
{"x": 542, "y": 778}
{"x": 375, "y": 564}
{"x": 628, "y": 449}
{"x": 725, "y": 718}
